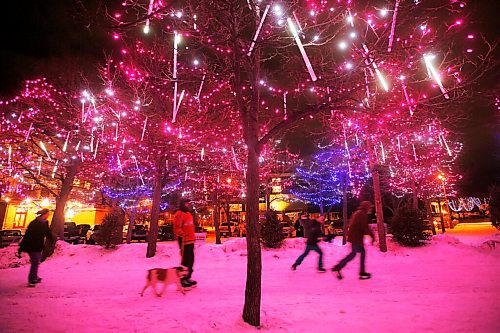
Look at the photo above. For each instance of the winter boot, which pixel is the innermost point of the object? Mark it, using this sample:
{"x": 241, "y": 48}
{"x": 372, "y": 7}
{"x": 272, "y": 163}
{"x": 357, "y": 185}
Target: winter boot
{"x": 364, "y": 275}
{"x": 192, "y": 283}
{"x": 38, "y": 280}
{"x": 185, "y": 284}
{"x": 336, "y": 269}
{"x": 294, "y": 267}
{"x": 31, "y": 284}
{"x": 321, "y": 270}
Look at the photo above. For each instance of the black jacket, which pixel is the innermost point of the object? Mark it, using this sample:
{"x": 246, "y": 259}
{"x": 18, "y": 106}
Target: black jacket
{"x": 313, "y": 232}
{"x": 35, "y": 235}
{"x": 299, "y": 228}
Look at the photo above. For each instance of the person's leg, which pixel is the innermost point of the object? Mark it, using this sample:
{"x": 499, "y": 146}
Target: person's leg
{"x": 320, "y": 252}
{"x": 362, "y": 252}
{"x": 348, "y": 258}
{"x": 188, "y": 258}
{"x": 302, "y": 256}
{"x": 35, "y": 262}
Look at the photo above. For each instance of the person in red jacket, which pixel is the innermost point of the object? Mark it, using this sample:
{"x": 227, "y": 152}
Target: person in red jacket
{"x": 358, "y": 227}
{"x": 184, "y": 231}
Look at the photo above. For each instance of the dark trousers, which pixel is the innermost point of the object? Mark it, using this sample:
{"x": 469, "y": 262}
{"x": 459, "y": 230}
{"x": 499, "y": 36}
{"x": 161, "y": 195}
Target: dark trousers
{"x": 310, "y": 248}
{"x": 355, "y": 249}
{"x": 187, "y": 254}
{"x": 35, "y": 262}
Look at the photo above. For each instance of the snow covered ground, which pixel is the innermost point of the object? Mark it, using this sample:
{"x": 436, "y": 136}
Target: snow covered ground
{"x": 451, "y": 285}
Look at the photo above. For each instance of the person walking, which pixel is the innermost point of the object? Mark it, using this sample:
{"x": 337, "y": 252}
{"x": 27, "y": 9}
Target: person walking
{"x": 313, "y": 231}
{"x": 299, "y": 228}
{"x": 33, "y": 242}
{"x": 185, "y": 233}
{"x": 358, "y": 227}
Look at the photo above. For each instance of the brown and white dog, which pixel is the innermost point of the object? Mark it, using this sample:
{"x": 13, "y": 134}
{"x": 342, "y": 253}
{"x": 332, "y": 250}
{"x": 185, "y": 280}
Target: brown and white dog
{"x": 167, "y": 276}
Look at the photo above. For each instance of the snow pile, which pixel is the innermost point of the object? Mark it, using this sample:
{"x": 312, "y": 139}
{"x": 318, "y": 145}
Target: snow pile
{"x": 8, "y": 257}
{"x": 294, "y": 243}
{"x": 235, "y": 244}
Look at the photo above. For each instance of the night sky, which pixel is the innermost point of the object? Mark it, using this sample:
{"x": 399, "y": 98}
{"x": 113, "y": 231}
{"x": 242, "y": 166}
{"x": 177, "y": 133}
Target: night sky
{"x": 41, "y": 36}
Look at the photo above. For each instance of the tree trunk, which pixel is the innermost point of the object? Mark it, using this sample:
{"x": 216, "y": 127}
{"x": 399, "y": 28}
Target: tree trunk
{"x": 268, "y": 197}
{"x": 228, "y": 216}
{"x": 441, "y": 216}
{"x": 378, "y": 211}
{"x": 414, "y": 194}
{"x": 131, "y": 223}
{"x": 155, "y": 209}
{"x": 251, "y": 309}
{"x": 344, "y": 211}
{"x": 249, "y": 117}
{"x": 378, "y": 199}
{"x": 217, "y": 220}
{"x": 57, "y": 225}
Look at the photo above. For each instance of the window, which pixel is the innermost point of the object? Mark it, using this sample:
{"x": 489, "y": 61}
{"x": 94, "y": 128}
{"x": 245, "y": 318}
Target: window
{"x": 20, "y": 219}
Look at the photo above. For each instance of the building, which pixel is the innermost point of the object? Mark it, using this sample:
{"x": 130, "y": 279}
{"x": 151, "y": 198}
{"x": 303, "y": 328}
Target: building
{"x": 18, "y": 213}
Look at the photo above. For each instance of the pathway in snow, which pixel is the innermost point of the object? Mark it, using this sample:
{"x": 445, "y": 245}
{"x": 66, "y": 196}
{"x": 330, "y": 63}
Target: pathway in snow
{"x": 451, "y": 285}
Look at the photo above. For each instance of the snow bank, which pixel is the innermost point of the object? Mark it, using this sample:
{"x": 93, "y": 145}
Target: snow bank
{"x": 8, "y": 257}
{"x": 235, "y": 244}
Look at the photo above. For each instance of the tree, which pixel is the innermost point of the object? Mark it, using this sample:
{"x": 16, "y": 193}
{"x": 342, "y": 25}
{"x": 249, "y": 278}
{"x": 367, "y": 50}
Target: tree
{"x": 110, "y": 233}
{"x": 323, "y": 180}
{"x": 271, "y": 231}
{"x": 54, "y": 139}
{"x": 408, "y": 228}
{"x": 494, "y": 206}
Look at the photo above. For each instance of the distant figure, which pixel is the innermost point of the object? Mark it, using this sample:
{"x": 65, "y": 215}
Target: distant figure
{"x": 358, "y": 227}
{"x": 313, "y": 230}
{"x": 185, "y": 232}
{"x": 299, "y": 228}
{"x": 33, "y": 242}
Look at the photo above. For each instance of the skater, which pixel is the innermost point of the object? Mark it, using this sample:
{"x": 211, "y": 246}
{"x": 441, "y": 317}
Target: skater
{"x": 184, "y": 230}
{"x": 33, "y": 241}
{"x": 358, "y": 227}
{"x": 313, "y": 232}
{"x": 299, "y": 228}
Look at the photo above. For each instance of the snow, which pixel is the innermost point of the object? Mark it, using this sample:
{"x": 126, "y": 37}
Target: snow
{"x": 450, "y": 285}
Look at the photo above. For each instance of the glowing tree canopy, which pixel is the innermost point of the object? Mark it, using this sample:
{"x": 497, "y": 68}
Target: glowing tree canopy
{"x": 55, "y": 142}
{"x": 322, "y": 179}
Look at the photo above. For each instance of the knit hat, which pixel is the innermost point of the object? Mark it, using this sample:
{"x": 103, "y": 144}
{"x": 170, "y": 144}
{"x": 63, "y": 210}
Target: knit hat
{"x": 365, "y": 205}
{"x": 42, "y": 212}
{"x": 182, "y": 205}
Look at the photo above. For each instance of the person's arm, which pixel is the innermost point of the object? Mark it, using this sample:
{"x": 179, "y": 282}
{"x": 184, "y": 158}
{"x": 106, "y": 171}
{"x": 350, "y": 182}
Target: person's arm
{"x": 178, "y": 224}
{"x": 368, "y": 230}
{"x": 22, "y": 243}
{"x": 48, "y": 233}
{"x": 20, "y": 248}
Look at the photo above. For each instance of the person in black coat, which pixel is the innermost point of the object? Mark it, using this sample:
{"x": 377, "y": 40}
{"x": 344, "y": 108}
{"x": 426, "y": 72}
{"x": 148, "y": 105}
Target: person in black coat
{"x": 313, "y": 231}
{"x": 299, "y": 228}
{"x": 33, "y": 242}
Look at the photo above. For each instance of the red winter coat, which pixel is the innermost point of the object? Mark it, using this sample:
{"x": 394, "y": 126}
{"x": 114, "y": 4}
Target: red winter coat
{"x": 184, "y": 226}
